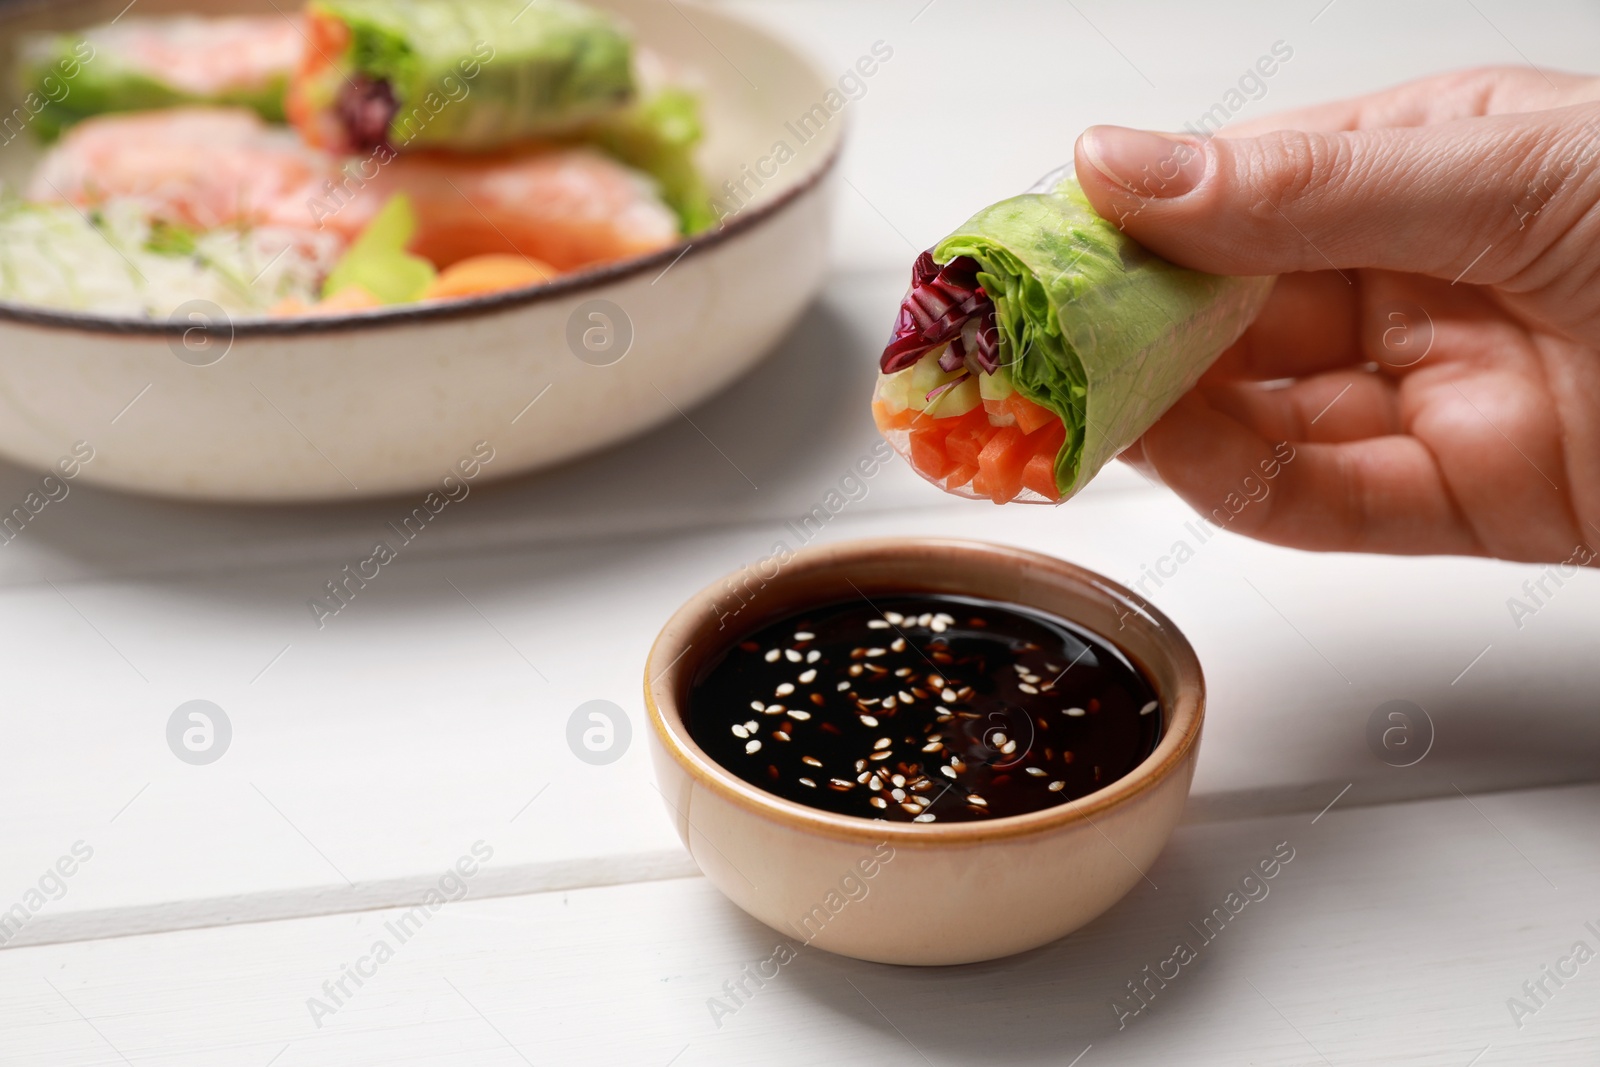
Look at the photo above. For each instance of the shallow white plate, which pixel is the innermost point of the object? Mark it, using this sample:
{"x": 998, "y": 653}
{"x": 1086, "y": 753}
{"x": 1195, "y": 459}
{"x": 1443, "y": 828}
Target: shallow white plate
{"x": 392, "y": 400}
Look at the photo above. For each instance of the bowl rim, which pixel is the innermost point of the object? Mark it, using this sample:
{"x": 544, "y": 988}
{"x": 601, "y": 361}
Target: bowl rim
{"x": 1180, "y": 735}
{"x": 577, "y": 282}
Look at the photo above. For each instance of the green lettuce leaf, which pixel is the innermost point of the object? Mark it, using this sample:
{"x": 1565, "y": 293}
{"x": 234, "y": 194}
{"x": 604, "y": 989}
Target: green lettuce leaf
{"x": 658, "y": 135}
{"x": 1092, "y": 326}
{"x": 377, "y": 260}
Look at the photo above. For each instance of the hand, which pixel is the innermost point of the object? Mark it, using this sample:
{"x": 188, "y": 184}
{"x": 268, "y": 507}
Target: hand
{"x": 1432, "y": 351}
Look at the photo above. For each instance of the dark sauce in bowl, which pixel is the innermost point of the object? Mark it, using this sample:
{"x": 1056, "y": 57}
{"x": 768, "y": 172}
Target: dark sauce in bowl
{"x": 924, "y": 709}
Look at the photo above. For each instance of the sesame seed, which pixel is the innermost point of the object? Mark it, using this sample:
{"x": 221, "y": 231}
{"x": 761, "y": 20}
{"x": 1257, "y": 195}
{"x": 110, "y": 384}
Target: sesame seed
{"x": 903, "y": 672}
{"x": 888, "y": 703}
{"x": 861, "y": 764}
{"x": 791, "y": 655}
{"x": 751, "y": 747}
{"x": 1148, "y": 708}
{"x": 959, "y": 765}
{"x": 898, "y": 779}
{"x": 813, "y": 656}
{"x": 1056, "y": 787}
{"x": 840, "y": 783}
{"x": 772, "y": 657}
{"x": 807, "y": 677}
{"x": 804, "y": 635}
{"x": 875, "y": 652}
{"x": 935, "y": 682}
{"x": 809, "y": 782}
{"x": 925, "y": 618}
{"x": 1037, "y": 772}
{"x": 878, "y": 802}
{"x": 869, "y": 720}
{"x": 740, "y": 732}
{"x": 926, "y": 816}
{"x": 811, "y": 760}
{"x": 779, "y": 735}
{"x": 894, "y": 617}
{"x": 948, "y": 772}
{"x": 877, "y": 624}
{"x": 998, "y": 739}
{"x": 1026, "y": 688}
{"x": 1076, "y": 712}
{"x": 905, "y": 697}
{"x": 948, "y": 696}
{"x": 875, "y": 784}
{"x": 756, "y": 705}
{"x": 883, "y": 753}
{"x": 939, "y": 626}
{"x": 1008, "y": 748}
{"x": 843, "y": 686}
{"x": 898, "y": 644}
{"x": 855, "y": 670}
{"x": 796, "y": 713}
{"x": 882, "y": 742}
{"x": 785, "y": 688}
{"x": 898, "y": 794}
{"x": 773, "y": 709}
{"x": 914, "y": 809}
{"x": 973, "y": 798}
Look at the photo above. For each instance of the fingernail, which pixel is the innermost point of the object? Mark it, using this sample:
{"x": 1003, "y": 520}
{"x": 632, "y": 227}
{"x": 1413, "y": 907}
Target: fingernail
{"x": 1145, "y": 163}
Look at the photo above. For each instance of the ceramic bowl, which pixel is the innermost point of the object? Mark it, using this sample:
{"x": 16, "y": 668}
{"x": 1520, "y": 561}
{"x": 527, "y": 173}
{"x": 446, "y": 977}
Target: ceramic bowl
{"x": 933, "y": 893}
{"x": 389, "y": 401}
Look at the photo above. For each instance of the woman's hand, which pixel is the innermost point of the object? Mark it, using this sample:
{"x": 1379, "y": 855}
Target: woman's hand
{"x": 1432, "y": 350}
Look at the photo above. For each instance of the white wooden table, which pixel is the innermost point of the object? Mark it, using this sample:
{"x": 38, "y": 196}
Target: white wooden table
{"x": 429, "y": 717}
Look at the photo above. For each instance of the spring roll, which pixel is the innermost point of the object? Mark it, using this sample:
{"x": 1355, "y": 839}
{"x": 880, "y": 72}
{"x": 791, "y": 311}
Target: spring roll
{"x": 139, "y": 64}
{"x": 1038, "y": 341}
{"x": 387, "y": 75}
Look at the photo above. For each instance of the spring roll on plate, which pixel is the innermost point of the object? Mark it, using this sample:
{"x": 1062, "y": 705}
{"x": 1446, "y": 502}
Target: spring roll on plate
{"x": 137, "y": 64}
{"x": 398, "y": 74}
{"x": 1037, "y": 341}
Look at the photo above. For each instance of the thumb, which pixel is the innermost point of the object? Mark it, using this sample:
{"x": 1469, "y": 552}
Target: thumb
{"x": 1480, "y": 196}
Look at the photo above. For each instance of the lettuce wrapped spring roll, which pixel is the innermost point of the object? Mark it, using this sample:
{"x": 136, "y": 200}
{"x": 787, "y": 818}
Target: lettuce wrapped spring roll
{"x": 1038, "y": 341}
{"x": 398, "y": 74}
{"x": 139, "y": 64}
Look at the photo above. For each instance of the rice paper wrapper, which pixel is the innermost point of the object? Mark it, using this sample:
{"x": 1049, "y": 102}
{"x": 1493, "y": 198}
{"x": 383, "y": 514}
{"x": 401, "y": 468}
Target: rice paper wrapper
{"x": 1094, "y": 327}
{"x": 480, "y": 75}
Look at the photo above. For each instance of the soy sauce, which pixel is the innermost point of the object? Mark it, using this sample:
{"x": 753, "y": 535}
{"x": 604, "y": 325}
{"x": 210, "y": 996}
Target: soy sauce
{"x": 924, "y": 709}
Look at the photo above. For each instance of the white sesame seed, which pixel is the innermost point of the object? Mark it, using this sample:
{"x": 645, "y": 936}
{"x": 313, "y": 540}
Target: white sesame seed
{"x": 903, "y": 672}
{"x": 875, "y": 652}
{"x": 864, "y": 775}
{"x": 751, "y": 747}
{"x": 925, "y": 618}
{"x": 948, "y": 696}
{"x": 935, "y": 682}
{"x": 1026, "y": 688}
{"x": 878, "y": 802}
{"x": 882, "y": 742}
{"x": 1076, "y": 712}
{"x": 807, "y": 677}
{"x": 796, "y": 713}
{"x": 804, "y": 635}
{"x": 1037, "y": 772}
{"x": 875, "y": 784}
{"x": 1056, "y": 787}
{"x": 855, "y": 670}
{"x": 751, "y": 725}
{"x": 948, "y": 772}
{"x": 841, "y": 783}
{"x": 1019, "y": 668}
{"x": 926, "y": 816}
{"x": 869, "y": 720}
{"x": 813, "y": 656}
{"x": 1148, "y": 708}
{"x": 843, "y": 686}
{"x": 905, "y": 697}
{"x": 882, "y": 753}
{"x": 945, "y": 617}
{"x": 807, "y": 781}
{"x": 779, "y": 735}
{"x": 958, "y": 765}
{"x": 973, "y": 798}
{"x": 791, "y": 655}
{"x": 740, "y": 732}
{"x": 772, "y": 656}
{"x": 773, "y": 709}
{"x": 913, "y": 809}
{"x": 898, "y": 794}
{"x": 894, "y": 617}
{"x": 888, "y": 703}
{"x": 932, "y": 746}
{"x": 939, "y": 626}
{"x": 861, "y": 764}
{"x": 784, "y": 689}
{"x": 898, "y": 644}
{"x": 877, "y": 624}
{"x": 756, "y": 705}
{"x": 811, "y": 761}
{"x": 1008, "y": 748}
{"x": 998, "y": 739}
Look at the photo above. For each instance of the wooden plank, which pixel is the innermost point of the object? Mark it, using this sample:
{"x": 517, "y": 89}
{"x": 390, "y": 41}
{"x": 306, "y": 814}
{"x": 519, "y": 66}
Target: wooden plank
{"x": 1395, "y": 935}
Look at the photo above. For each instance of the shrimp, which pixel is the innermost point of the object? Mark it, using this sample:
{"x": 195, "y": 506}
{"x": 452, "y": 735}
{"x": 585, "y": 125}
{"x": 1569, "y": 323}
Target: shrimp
{"x": 199, "y": 167}
{"x": 207, "y": 58}
{"x": 567, "y": 207}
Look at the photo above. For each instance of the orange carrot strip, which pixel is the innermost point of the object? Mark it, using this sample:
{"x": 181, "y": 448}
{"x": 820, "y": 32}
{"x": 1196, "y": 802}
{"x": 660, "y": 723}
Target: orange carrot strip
{"x": 489, "y": 273}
